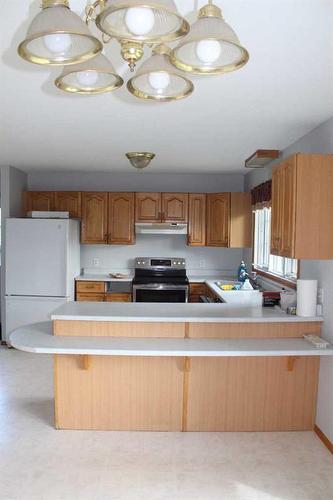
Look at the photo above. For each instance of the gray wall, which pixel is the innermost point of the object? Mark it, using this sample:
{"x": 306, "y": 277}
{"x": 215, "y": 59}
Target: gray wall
{"x": 320, "y": 140}
{"x": 224, "y": 261}
{"x": 13, "y": 183}
{"x": 136, "y": 181}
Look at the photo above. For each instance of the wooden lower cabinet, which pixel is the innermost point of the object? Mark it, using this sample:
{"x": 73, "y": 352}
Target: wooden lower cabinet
{"x": 197, "y": 289}
{"x": 119, "y": 393}
{"x": 252, "y": 394}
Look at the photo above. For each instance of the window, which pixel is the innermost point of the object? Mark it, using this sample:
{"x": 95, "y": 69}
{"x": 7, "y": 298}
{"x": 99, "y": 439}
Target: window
{"x": 262, "y": 258}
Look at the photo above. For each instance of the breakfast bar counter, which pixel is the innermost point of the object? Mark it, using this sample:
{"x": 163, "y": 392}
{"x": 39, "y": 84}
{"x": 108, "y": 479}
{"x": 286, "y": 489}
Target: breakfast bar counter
{"x": 179, "y": 367}
{"x": 174, "y": 313}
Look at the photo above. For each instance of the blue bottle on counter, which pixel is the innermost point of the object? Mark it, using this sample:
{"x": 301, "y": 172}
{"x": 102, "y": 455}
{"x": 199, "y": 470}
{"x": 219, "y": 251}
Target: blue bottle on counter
{"x": 242, "y": 272}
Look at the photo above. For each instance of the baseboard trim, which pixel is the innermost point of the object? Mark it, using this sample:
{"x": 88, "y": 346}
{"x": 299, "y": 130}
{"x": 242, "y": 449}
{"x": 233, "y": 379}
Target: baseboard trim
{"x": 324, "y": 438}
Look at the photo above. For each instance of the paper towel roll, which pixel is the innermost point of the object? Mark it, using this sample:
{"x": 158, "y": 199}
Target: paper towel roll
{"x": 307, "y": 297}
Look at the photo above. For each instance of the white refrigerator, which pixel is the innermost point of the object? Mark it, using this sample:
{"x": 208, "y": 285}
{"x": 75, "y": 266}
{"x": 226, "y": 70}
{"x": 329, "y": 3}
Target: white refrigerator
{"x": 42, "y": 260}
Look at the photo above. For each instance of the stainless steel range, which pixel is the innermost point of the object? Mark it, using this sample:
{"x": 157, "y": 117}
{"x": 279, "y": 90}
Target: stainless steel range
{"x": 160, "y": 280}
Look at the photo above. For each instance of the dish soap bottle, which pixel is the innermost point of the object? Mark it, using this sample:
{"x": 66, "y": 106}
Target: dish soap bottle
{"x": 242, "y": 272}
{"x": 247, "y": 285}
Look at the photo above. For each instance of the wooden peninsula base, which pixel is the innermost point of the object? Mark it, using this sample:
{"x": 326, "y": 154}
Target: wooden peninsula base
{"x": 186, "y": 393}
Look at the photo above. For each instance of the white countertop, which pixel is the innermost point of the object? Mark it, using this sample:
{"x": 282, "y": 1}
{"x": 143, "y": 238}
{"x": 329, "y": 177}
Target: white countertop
{"x": 172, "y": 313}
{"x": 104, "y": 277}
{"x": 38, "y": 338}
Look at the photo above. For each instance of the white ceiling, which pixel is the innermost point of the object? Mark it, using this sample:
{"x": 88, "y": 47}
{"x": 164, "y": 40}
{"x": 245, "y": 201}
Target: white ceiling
{"x": 285, "y": 91}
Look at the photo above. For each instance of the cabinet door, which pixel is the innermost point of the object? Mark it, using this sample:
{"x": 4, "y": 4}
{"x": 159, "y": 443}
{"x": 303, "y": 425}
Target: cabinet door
{"x": 288, "y": 196}
{"x": 175, "y": 207}
{"x": 121, "y": 218}
{"x": 240, "y": 220}
{"x": 148, "y": 207}
{"x": 197, "y": 289}
{"x": 277, "y": 211}
{"x": 284, "y": 208}
{"x": 218, "y": 216}
{"x": 68, "y": 201}
{"x": 94, "y": 228}
{"x": 42, "y": 201}
{"x": 197, "y": 220}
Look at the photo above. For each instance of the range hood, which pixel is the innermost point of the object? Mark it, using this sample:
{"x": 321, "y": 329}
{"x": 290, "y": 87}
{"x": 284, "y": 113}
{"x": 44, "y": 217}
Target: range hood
{"x": 161, "y": 228}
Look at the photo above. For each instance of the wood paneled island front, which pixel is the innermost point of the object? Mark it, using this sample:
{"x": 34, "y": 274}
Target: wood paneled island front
{"x": 180, "y": 367}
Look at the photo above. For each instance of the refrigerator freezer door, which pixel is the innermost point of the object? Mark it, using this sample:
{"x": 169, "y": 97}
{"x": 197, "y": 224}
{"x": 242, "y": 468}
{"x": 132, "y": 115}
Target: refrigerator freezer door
{"x": 37, "y": 257}
{"x": 22, "y": 311}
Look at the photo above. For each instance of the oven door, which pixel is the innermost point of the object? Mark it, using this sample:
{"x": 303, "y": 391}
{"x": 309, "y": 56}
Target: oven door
{"x": 160, "y": 293}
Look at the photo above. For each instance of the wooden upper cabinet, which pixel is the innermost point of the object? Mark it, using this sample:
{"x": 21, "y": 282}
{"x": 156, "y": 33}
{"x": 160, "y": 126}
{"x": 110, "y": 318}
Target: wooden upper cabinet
{"x": 41, "y": 201}
{"x": 283, "y": 208}
{"x": 240, "y": 220}
{"x": 277, "y": 211}
{"x": 94, "y": 227}
{"x": 218, "y": 219}
{"x": 175, "y": 207}
{"x": 68, "y": 201}
{"x": 302, "y": 207}
{"x": 288, "y": 202}
{"x": 197, "y": 220}
{"x": 148, "y": 207}
{"x": 121, "y": 218}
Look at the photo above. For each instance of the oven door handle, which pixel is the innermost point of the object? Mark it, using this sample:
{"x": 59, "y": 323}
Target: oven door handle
{"x": 162, "y": 286}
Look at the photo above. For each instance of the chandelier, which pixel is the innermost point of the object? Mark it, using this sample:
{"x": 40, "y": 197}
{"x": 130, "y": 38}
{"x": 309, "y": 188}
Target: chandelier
{"x": 59, "y": 37}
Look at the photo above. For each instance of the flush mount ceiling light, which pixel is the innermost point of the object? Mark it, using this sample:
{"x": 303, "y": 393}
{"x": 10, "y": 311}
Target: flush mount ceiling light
{"x": 96, "y": 76}
{"x": 211, "y": 47}
{"x": 158, "y": 80}
{"x": 140, "y": 160}
{"x": 57, "y": 36}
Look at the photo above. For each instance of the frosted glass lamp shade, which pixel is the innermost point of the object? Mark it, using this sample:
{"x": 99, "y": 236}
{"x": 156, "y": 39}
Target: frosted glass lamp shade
{"x": 158, "y": 80}
{"x": 211, "y": 47}
{"x": 57, "y": 36}
{"x": 96, "y": 76}
{"x": 151, "y": 21}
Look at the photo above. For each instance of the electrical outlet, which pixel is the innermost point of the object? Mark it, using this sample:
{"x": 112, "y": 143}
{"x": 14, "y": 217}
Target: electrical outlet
{"x": 95, "y": 262}
{"x": 320, "y": 296}
{"x": 202, "y": 263}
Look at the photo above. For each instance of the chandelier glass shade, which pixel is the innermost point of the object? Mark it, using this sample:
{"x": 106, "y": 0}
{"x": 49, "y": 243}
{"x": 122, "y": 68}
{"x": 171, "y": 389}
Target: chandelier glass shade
{"x": 149, "y": 21}
{"x": 158, "y": 80}
{"x": 212, "y": 47}
{"x": 95, "y": 76}
{"x": 58, "y": 36}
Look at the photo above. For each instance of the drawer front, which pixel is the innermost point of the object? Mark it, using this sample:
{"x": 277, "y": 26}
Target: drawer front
{"x": 90, "y": 286}
{"x": 90, "y": 297}
{"x": 118, "y": 297}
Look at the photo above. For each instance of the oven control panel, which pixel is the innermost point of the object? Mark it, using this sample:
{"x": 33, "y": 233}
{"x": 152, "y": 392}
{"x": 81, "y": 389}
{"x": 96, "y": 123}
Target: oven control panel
{"x": 160, "y": 263}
